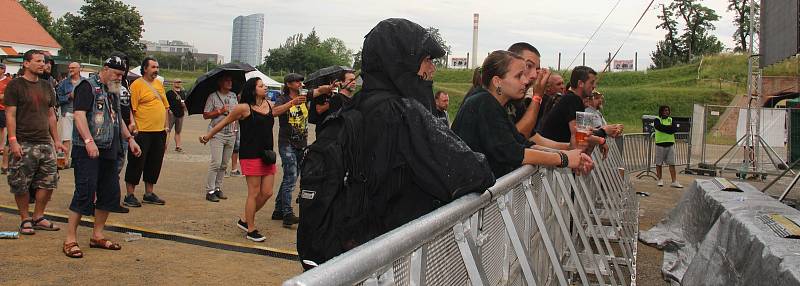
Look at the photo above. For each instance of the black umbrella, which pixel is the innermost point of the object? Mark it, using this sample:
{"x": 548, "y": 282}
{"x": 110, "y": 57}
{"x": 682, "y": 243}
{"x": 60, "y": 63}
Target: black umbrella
{"x": 325, "y": 76}
{"x": 207, "y": 84}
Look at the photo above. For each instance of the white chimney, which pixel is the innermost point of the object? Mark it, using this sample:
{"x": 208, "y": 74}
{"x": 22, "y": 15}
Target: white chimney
{"x": 475, "y": 40}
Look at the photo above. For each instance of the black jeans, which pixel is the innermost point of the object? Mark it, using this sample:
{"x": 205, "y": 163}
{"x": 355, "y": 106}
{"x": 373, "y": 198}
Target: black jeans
{"x": 149, "y": 162}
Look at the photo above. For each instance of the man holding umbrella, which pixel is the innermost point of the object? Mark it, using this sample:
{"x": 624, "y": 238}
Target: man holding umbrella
{"x": 218, "y": 104}
{"x": 343, "y": 87}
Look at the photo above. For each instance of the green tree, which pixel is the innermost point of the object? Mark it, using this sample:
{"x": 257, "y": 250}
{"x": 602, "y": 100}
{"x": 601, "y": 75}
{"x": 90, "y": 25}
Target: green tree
{"x": 39, "y": 12}
{"x": 306, "y": 54}
{"x": 694, "y": 39}
{"x": 357, "y": 60}
{"x": 741, "y": 18}
{"x": 434, "y": 32}
{"x": 104, "y": 26}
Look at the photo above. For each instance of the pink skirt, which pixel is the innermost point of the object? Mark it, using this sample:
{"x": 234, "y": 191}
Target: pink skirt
{"x": 256, "y": 167}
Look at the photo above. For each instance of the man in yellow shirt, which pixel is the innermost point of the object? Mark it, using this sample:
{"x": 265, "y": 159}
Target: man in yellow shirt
{"x": 150, "y": 109}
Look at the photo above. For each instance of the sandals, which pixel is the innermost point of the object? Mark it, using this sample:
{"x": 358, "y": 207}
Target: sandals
{"x": 179, "y": 149}
{"x": 104, "y": 244}
{"x": 27, "y": 230}
{"x": 72, "y": 250}
{"x": 49, "y": 227}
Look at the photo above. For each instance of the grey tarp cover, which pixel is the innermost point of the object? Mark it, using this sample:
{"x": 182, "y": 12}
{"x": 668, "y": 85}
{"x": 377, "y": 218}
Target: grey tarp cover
{"x": 714, "y": 238}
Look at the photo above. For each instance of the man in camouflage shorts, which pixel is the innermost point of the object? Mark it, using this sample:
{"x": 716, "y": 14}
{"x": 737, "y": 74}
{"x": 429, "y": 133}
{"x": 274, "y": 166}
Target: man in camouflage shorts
{"x": 33, "y": 140}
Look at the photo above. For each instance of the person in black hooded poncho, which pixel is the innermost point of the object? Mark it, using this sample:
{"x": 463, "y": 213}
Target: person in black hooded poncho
{"x": 414, "y": 162}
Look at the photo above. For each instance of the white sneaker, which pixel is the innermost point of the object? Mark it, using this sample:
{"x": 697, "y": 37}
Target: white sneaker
{"x": 675, "y": 184}
{"x": 660, "y": 183}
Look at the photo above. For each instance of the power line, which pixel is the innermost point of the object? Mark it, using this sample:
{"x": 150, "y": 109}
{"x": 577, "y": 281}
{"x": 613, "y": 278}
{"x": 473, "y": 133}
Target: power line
{"x": 608, "y": 64}
{"x": 593, "y": 34}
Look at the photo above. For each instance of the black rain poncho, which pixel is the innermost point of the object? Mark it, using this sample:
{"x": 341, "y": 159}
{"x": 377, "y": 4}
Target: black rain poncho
{"x": 414, "y": 162}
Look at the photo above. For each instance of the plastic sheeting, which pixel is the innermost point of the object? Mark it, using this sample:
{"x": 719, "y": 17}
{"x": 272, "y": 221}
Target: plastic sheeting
{"x": 714, "y": 238}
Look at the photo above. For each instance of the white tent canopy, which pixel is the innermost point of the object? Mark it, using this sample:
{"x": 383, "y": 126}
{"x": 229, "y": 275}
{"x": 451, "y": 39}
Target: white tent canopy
{"x": 136, "y": 72}
{"x": 267, "y": 80}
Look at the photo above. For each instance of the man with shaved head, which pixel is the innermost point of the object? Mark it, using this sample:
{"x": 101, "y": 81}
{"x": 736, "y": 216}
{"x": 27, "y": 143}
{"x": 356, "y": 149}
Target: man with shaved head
{"x": 553, "y": 91}
{"x": 65, "y": 96}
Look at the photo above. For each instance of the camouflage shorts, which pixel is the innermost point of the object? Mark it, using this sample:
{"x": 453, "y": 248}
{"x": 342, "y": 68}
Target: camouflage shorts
{"x": 36, "y": 169}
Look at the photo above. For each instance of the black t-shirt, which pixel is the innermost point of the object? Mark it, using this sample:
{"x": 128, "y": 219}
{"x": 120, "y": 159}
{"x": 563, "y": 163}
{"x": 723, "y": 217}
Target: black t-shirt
{"x": 84, "y": 100}
{"x": 293, "y": 124}
{"x": 125, "y": 106}
{"x": 486, "y": 127}
{"x": 441, "y": 115}
{"x": 337, "y": 101}
{"x": 175, "y": 99}
{"x": 556, "y": 123}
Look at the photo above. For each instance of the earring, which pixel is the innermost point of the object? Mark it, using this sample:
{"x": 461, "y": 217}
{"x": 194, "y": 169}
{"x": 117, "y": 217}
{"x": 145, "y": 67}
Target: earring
{"x": 499, "y": 91}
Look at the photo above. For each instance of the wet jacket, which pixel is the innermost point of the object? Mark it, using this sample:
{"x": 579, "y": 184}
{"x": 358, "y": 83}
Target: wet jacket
{"x": 414, "y": 162}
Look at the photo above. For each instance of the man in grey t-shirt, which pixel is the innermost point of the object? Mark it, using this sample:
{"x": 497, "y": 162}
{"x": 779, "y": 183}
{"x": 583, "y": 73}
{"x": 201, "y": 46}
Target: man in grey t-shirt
{"x": 218, "y": 105}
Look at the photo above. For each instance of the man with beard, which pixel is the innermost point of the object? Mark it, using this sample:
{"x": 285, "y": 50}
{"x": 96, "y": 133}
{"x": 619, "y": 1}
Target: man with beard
{"x": 32, "y": 136}
{"x": 560, "y": 124}
{"x": 442, "y": 100}
{"x": 292, "y": 141}
{"x": 97, "y": 144}
{"x": 325, "y": 106}
{"x": 150, "y": 110}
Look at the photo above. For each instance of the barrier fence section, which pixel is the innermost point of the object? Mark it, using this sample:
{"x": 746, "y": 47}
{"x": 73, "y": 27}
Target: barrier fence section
{"x": 533, "y": 227}
{"x": 723, "y": 144}
{"x": 639, "y": 153}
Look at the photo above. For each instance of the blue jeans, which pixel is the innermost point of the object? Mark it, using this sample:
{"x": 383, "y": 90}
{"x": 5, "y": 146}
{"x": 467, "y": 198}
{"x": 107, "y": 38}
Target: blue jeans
{"x": 291, "y": 159}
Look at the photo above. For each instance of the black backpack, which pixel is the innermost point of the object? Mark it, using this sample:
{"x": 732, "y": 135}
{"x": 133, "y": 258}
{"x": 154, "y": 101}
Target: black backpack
{"x": 333, "y": 200}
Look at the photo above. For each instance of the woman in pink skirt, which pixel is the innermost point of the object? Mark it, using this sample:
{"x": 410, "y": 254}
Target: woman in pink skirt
{"x": 256, "y": 157}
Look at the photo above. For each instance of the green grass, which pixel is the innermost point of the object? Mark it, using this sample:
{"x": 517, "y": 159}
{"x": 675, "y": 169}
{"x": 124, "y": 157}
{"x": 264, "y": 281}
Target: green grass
{"x": 629, "y": 95}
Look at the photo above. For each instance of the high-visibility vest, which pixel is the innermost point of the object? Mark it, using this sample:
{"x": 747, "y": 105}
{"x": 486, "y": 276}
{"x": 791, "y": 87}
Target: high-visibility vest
{"x": 662, "y": 137}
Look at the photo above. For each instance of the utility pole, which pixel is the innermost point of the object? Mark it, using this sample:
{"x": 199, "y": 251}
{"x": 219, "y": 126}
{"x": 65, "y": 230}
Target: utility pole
{"x": 584, "y": 59}
{"x": 559, "y": 61}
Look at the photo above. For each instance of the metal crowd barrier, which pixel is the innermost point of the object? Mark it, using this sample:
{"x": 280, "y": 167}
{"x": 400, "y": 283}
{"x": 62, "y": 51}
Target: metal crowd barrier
{"x": 638, "y": 151}
{"x": 527, "y": 229}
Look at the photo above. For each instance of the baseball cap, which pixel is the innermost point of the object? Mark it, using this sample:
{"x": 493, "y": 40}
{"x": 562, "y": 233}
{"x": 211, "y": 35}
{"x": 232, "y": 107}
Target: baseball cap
{"x": 2, "y": 66}
{"x": 292, "y": 77}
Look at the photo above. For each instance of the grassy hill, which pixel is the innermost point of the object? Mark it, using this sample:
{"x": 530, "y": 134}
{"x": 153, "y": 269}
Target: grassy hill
{"x": 629, "y": 95}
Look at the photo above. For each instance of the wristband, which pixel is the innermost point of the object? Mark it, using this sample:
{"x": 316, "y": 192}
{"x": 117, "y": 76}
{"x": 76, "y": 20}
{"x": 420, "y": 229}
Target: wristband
{"x": 88, "y": 140}
{"x": 537, "y": 99}
{"x": 564, "y": 160}
{"x": 10, "y": 139}
{"x": 604, "y": 141}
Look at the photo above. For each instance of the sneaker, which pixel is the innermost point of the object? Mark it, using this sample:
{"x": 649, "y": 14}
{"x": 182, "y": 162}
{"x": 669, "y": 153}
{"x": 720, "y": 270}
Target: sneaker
{"x": 120, "y": 210}
{"x": 212, "y": 197}
{"x": 219, "y": 194}
{"x": 277, "y": 216}
{"x": 660, "y": 183}
{"x": 290, "y": 219}
{"x": 675, "y": 184}
{"x": 236, "y": 173}
{"x": 131, "y": 201}
{"x": 152, "y": 198}
{"x": 255, "y": 236}
{"x": 242, "y": 225}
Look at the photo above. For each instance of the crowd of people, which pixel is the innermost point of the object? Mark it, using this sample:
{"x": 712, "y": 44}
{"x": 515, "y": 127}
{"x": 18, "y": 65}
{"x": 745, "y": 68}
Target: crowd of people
{"x": 515, "y": 114}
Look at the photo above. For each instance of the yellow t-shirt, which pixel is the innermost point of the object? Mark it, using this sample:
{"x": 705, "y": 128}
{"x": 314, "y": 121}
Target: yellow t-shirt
{"x": 149, "y": 110}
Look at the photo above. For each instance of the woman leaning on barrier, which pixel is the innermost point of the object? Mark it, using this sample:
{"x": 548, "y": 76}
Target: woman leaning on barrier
{"x": 482, "y": 121}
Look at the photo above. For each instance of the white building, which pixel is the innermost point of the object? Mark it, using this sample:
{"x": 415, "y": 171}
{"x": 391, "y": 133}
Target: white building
{"x": 248, "y": 39}
{"x": 179, "y": 47}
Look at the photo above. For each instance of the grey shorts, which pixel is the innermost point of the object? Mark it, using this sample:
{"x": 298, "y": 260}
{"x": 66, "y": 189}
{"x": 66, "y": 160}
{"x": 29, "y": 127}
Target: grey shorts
{"x": 36, "y": 169}
{"x": 665, "y": 155}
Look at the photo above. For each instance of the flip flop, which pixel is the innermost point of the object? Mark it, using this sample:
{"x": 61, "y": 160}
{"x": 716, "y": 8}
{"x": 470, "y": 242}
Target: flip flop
{"x": 104, "y": 244}
{"x": 26, "y": 230}
{"x": 49, "y": 227}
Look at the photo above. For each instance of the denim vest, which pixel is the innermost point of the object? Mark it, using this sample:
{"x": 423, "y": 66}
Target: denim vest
{"x": 101, "y": 124}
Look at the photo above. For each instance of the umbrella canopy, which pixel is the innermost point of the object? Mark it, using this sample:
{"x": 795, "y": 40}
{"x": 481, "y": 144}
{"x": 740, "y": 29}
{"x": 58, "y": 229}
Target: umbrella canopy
{"x": 325, "y": 76}
{"x": 267, "y": 80}
{"x": 207, "y": 84}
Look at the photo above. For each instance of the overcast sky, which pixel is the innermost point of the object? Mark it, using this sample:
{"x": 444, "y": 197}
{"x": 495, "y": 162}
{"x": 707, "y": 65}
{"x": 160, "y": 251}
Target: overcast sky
{"x": 552, "y": 26}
